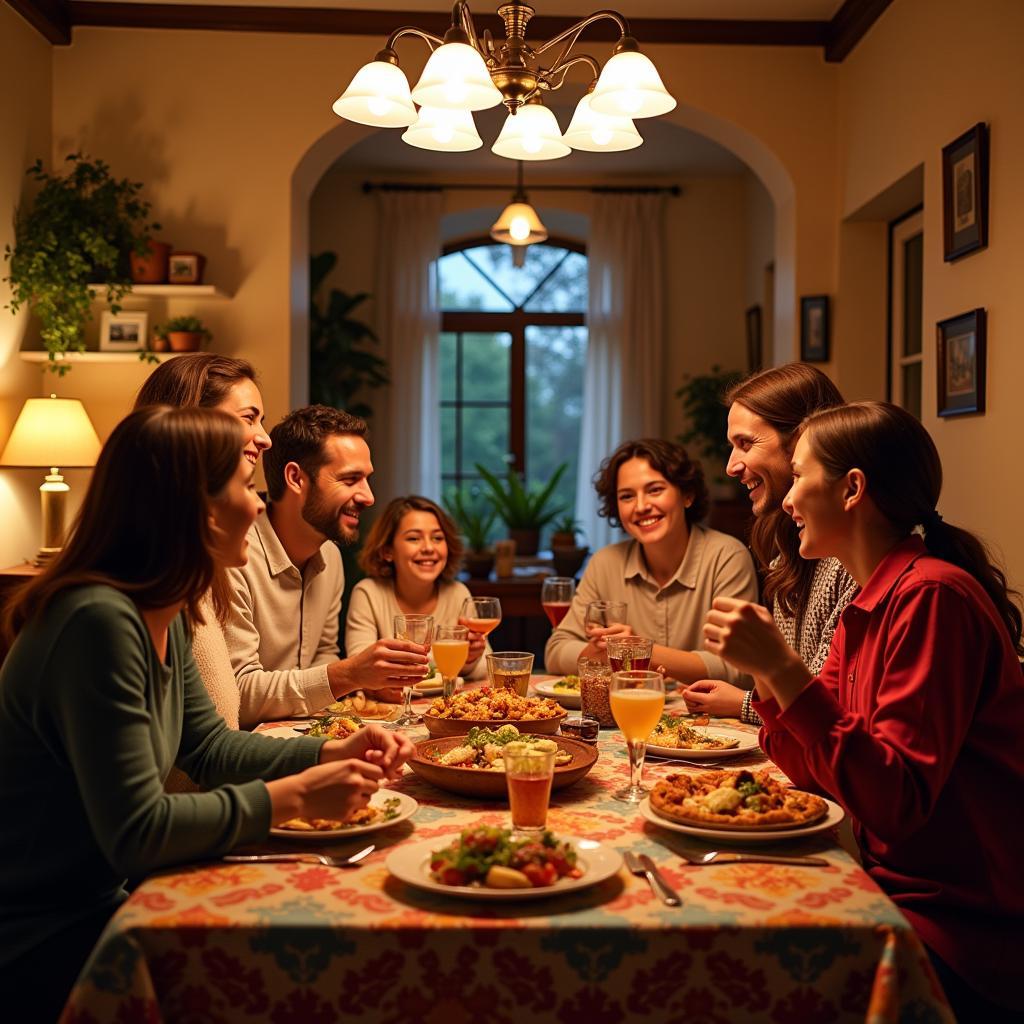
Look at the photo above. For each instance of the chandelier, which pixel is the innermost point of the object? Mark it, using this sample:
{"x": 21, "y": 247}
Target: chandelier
{"x": 465, "y": 73}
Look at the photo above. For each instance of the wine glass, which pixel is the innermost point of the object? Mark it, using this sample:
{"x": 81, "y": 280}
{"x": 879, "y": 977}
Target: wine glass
{"x": 450, "y": 650}
{"x": 556, "y": 594}
{"x": 637, "y": 699}
{"x": 480, "y": 614}
{"x": 601, "y": 614}
{"x": 417, "y": 629}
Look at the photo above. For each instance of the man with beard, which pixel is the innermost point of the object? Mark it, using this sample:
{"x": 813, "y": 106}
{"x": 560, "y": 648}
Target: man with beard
{"x": 282, "y": 631}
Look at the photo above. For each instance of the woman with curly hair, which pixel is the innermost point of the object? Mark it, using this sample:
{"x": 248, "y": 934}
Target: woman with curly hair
{"x": 668, "y": 573}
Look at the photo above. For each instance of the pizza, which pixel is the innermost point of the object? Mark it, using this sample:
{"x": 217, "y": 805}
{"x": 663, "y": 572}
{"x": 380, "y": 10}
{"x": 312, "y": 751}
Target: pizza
{"x": 735, "y": 800}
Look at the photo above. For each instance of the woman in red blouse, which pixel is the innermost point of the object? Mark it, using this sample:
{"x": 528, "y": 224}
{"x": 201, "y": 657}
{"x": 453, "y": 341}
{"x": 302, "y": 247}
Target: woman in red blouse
{"x": 915, "y": 722}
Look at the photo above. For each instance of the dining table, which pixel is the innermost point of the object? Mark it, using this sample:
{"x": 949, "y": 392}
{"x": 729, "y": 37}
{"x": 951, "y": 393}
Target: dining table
{"x": 306, "y": 943}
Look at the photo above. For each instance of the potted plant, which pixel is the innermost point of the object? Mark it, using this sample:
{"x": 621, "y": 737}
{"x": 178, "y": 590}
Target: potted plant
{"x": 708, "y": 418}
{"x": 563, "y": 531}
{"x": 525, "y": 511}
{"x": 475, "y": 525}
{"x": 81, "y": 227}
{"x": 566, "y": 555}
{"x": 183, "y": 333}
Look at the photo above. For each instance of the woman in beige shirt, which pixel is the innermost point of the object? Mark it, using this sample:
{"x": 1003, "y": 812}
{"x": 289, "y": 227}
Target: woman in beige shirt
{"x": 411, "y": 556}
{"x": 668, "y": 574}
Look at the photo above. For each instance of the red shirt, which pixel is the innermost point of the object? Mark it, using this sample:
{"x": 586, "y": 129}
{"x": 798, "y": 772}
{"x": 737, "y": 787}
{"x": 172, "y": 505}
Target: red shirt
{"x": 916, "y": 726}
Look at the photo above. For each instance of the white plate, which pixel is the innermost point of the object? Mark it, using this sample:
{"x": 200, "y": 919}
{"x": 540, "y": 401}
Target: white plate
{"x": 410, "y": 863}
{"x": 748, "y": 742}
{"x": 567, "y": 698}
{"x": 286, "y": 732}
{"x": 432, "y": 687}
{"x": 406, "y": 809}
{"x": 833, "y": 817}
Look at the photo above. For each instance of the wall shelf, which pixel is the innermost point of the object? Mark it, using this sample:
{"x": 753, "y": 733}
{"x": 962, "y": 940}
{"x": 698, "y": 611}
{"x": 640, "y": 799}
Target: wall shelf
{"x": 38, "y": 356}
{"x": 168, "y": 291}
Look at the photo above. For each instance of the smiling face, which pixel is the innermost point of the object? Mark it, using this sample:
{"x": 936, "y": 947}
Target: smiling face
{"x": 340, "y": 490}
{"x": 419, "y": 551}
{"x": 245, "y": 402}
{"x": 232, "y": 512}
{"x": 816, "y": 505}
{"x": 759, "y": 459}
{"x": 650, "y": 508}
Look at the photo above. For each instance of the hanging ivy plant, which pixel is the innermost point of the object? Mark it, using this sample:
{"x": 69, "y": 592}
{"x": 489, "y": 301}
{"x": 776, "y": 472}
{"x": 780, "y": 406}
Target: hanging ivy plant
{"x": 79, "y": 229}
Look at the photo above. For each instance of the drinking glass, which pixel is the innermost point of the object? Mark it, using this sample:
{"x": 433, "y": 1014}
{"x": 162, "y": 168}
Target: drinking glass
{"x": 628, "y": 652}
{"x": 637, "y": 699}
{"x": 595, "y": 679}
{"x": 417, "y": 629}
{"x": 603, "y": 613}
{"x": 556, "y": 594}
{"x": 510, "y": 670}
{"x": 450, "y": 650}
{"x": 528, "y": 774}
{"x": 480, "y": 614}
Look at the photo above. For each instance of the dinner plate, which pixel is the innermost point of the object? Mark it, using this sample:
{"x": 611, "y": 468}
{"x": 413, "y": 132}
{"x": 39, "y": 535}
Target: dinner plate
{"x": 432, "y": 687}
{"x": 748, "y": 742}
{"x": 567, "y": 698}
{"x": 410, "y": 862}
{"x": 833, "y": 816}
{"x": 406, "y": 809}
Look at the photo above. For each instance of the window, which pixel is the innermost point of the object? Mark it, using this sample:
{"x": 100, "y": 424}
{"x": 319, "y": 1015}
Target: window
{"x": 906, "y": 269}
{"x": 513, "y": 347}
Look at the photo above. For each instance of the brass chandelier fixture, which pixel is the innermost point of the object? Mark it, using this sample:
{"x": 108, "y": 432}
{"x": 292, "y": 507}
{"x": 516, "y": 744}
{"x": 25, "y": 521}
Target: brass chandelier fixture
{"x": 466, "y": 73}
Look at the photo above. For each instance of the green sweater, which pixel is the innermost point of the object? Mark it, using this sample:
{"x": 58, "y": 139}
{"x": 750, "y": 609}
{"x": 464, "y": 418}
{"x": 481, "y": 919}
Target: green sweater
{"x": 91, "y": 722}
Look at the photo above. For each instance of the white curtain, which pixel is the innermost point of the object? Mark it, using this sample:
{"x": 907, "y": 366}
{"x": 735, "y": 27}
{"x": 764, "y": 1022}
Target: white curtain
{"x": 623, "y": 381}
{"x": 408, "y": 458}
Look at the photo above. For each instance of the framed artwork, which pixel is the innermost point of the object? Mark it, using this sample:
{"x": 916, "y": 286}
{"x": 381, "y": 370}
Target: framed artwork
{"x": 753, "y": 339}
{"x": 960, "y": 363}
{"x": 185, "y": 268}
{"x": 814, "y": 328}
{"x": 965, "y": 194}
{"x": 124, "y": 331}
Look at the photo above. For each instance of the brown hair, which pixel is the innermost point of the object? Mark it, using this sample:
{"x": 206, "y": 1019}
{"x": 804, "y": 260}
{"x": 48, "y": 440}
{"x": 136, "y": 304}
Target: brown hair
{"x": 300, "y": 438}
{"x": 667, "y": 458}
{"x": 202, "y": 379}
{"x": 904, "y": 478}
{"x": 783, "y": 396}
{"x": 382, "y": 535}
{"x": 143, "y": 527}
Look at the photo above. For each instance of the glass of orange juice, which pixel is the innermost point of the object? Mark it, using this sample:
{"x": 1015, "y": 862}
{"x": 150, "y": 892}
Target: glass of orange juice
{"x": 528, "y": 774}
{"x": 637, "y": 699}
{"x": 450, "y": 650}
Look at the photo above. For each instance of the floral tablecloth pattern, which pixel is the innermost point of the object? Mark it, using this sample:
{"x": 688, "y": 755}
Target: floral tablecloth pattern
{"x": 299, "y": 943}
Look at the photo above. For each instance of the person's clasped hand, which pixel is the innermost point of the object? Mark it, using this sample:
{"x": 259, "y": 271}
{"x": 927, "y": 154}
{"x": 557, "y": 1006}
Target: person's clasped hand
{"x": 746, "y": 636}
{"x": 380, "y": 748}
{"x": 712, "y": 697}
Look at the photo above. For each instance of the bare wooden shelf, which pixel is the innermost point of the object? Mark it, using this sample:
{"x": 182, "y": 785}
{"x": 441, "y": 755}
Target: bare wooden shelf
{"x": 39, "y": 356}
{"x": 169, "y": 291}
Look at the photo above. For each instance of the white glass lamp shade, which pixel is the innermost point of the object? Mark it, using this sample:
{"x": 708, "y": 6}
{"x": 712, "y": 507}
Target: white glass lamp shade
{"x": 600, "y": 133}
{"x": 445, "y": 131}
{"x": 377, "y": 96}
{"x": 456, "y": 78}
{"x": 531, "y": 134}
{"x": 519, "y": 225}
{"x": 52, "y": 432}
{"x": 630, "y": 86}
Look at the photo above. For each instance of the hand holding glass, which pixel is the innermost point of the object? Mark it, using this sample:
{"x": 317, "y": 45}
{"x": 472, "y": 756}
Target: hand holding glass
{"x": 602, "y": 614}
{"x": 450, "y": 649}
{"x": 628, "y": 652}
{"x": 637, "y": 699}
{"x": 556, "y": 594}
{"x": 417, "y": 629}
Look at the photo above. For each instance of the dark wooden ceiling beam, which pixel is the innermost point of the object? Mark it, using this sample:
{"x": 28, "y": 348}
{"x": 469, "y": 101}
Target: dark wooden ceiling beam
{"x": 849, "y": 25}
{"x": 48, "y": 17}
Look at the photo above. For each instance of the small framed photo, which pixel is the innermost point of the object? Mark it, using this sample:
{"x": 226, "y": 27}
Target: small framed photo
{"x": 185, "y": 268}
{"x": 961, "y": 363}
{"x": 965, "y": 194}
{"x": 124, "y": 331}
{"x": 814, "y": 328}
{"x": 754, "y": 357}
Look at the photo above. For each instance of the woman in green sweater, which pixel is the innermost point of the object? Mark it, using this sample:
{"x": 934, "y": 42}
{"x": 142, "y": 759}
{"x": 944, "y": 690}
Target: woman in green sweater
{"x": 100, "y": 697}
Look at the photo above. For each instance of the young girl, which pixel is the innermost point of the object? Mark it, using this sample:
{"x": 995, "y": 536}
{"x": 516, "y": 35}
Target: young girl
{"x": 914, "y": 723}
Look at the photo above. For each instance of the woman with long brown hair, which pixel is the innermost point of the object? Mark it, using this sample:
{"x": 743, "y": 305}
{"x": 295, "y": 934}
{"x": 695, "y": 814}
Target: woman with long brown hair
{"x": 914, "y": 722}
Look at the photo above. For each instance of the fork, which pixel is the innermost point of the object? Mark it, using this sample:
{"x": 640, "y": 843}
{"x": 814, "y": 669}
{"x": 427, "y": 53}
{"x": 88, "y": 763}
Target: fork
{"x": 309, "y": 858}
{"x": 644, "y": 867}
{"x": 728, "y": 857}
{"x": 688, "y": 764}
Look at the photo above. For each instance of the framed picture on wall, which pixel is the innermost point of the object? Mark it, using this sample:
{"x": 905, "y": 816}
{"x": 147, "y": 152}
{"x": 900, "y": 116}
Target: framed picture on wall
{"x": 754, "y": 357}
{"x": 965, "y": 193}
{"x": 124, "y": 331}
{"x": 960, "y": 363}
{"x": 814, "y": 328}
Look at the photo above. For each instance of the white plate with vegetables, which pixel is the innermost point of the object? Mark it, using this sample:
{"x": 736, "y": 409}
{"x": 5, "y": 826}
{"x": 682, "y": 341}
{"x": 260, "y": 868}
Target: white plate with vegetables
{"x": 566, "y": 691}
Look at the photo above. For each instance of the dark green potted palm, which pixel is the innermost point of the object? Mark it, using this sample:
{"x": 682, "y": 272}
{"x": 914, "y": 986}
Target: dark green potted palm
{"x": 475, "y": 523}
{"x": 704, "y": 409}
{"x": 524, "y": 510}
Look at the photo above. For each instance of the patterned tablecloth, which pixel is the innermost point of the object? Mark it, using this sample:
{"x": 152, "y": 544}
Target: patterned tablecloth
{"x": 298, "y": 943}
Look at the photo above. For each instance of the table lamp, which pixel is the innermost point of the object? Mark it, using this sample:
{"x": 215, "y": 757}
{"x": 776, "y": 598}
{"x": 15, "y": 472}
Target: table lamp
{"x": 48, "y": 431}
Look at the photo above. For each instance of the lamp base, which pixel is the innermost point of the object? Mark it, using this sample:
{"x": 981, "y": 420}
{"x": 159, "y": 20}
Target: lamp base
{"x": 44, "y": 556}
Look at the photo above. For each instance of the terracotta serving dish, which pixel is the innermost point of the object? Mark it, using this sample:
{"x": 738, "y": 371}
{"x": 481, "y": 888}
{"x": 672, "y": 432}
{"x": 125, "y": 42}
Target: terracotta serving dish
{"x": 489, "y": 784}
{"x": 460, "y": 726}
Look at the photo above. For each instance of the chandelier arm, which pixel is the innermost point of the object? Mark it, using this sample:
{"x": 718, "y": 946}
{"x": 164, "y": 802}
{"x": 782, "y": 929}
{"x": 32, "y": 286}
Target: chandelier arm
{"x": 562, "y": 69}
{"x": 463, "y": 17}
{"x": 581, "y": 25}
{"x": 411, "y": 30}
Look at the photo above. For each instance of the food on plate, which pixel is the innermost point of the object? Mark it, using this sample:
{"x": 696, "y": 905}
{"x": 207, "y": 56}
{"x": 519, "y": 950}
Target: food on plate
{"x": 485, "y": 749}
{"x": 362, "y": 706}
{"x": 487, "y": 704}
{"x": 371, "y": 814}
{"x": 735, "y": 799}
{"x": 337, "y": 727}
{"x": 431, "y": 682}
{"x": 672, "y": 731}
{"x": 570, "y": 684}
{"x": 490, "y": 857}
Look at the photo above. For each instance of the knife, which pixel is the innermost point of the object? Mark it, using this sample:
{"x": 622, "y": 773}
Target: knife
{"x": 668, "y": 895}
{"x": 767, "y": 858}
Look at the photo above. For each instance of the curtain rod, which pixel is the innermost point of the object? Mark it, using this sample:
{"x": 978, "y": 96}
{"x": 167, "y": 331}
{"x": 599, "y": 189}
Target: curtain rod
{"x": 396, "y": 186}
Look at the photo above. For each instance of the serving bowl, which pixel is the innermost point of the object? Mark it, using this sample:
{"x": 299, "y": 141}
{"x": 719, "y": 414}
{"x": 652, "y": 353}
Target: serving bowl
{"x": 438, "y": 727}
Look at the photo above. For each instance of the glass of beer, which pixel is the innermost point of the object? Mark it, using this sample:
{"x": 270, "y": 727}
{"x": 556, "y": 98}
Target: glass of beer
{"x": 629, "y": 652}
{"x": 417, "y": 629}
{"x": 556, "y": 595}
{"x": 637, "y": 699}
{"x": 450, "y": 650}
{"x": 510, "y": 670}
{"x": 528, "y": 774}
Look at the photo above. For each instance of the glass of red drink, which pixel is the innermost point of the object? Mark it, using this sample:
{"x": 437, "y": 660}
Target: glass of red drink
{"x": 556, "y": 594}
{"x": 626, "y": 653}
{"x": 528, "y": 774}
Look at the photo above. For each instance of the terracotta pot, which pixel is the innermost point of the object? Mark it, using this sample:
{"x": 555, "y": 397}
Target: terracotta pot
{"x": 159, "y": 344}
{"x": 151, "y": 268}
{"x": 567, "y": 561}
{"x": 478, "y": 564}
{"x": 527, "y": 541}
{"x": 184, "y": 341}
{"x": 559, "y": 539}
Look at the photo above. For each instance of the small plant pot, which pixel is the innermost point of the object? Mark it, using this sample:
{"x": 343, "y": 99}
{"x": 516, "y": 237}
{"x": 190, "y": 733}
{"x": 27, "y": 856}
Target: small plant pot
{"x": 527, "y": 541}
{"x": 152, "y": 267}
{"x": 184, "y": 341}
{"x": 567, "y": 561}
{"x": 478, "y": 564}
{"x": 159, "y": 345}
{"x": 560, "y": 539}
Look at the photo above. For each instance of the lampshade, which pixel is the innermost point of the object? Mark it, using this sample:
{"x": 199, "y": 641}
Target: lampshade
{"x": 600, "y": 133}
{"x": 456, "y": 78}
{"x": 531, "y": 134}
{"x": 377, "y": 96}
{"x": 52, "y": 432}
{"x": 445, "y": 131}
{"x": 630, "y": 86}
{"x": 519, "y": 224}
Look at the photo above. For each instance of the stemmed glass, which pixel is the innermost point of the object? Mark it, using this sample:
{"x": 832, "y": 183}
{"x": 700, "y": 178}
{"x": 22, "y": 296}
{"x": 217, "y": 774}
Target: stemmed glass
{"x": 637, "y": 699}
{"x": 480, "y": 614}
{"x": 556, "y": 594}
{"x": 450, "y": 649}
{"x": 601, "y": 614}
{"x": 417, "y": 629}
